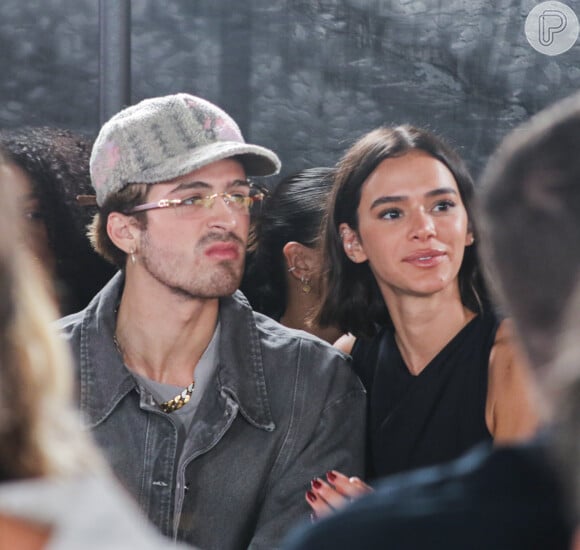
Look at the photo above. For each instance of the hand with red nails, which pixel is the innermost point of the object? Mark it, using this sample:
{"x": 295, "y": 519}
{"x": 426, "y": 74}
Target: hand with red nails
{"x": 326, "y": 496}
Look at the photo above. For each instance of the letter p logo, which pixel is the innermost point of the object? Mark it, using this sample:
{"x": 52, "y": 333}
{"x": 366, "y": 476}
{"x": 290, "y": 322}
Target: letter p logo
{"x": 551, "y": 22}
{"x": 552, "y": 28}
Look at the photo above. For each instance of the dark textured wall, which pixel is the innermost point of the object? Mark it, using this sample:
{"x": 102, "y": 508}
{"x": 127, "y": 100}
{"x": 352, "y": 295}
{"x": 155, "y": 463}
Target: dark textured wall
{"x": 304, "y": 77}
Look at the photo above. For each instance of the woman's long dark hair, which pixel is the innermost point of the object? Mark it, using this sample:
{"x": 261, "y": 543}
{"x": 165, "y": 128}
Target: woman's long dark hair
{"x": 293, "y": 212}
{"x": 351, "y": 297}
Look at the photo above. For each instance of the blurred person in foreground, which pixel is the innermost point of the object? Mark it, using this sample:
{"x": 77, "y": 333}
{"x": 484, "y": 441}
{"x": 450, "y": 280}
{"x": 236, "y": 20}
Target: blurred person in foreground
{"x": 518, "y": 496}
{"x": 55, "y": 490}
{"x": 214, "y": 417}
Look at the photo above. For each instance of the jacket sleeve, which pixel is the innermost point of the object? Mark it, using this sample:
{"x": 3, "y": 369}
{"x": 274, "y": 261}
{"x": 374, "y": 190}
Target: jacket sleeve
{"x": 327, "y": 432}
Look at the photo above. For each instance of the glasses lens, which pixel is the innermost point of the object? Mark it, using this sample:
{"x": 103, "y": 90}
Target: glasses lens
{"x": 191, "y": 207}
{"x": 195, "y": 206}
{"x": 257, "y": 196}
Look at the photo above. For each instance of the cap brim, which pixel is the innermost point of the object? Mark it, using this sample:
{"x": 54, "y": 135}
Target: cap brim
{"x": 257, "y": 161}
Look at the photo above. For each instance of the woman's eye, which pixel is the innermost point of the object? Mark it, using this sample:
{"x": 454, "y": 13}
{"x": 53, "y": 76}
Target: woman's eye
{"x": 443, "y": 206}
{"x": 391, "y": 214}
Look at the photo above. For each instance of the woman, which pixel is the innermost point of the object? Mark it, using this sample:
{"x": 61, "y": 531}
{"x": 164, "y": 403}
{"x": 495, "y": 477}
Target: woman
{"x": 440, "y": 368}
{"x": 283, "y": 264}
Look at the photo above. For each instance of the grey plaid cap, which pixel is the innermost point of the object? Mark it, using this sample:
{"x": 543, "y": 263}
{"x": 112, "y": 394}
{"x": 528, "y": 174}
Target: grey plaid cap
{"x": 162, "y": 138}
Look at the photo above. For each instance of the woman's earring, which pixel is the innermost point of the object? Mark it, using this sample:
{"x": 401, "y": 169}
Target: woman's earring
{"x": 350, "y": 253}
{"x": 306, "y": 286}
{"x": 291, "y": 269}
{"x": 472, "y": 239}
{"x": 132, "y": 255}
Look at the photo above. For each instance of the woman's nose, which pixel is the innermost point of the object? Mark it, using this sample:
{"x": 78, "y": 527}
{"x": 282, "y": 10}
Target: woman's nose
{"x": 423, "y": 226}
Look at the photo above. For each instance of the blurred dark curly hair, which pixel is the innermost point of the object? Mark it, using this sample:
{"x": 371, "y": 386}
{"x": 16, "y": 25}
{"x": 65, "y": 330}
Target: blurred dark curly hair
{"x": 57, "y": 162}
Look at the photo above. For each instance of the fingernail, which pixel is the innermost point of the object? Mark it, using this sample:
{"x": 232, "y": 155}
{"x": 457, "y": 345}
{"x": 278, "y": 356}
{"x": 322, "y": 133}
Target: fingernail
{"x": 331, "y": 476}
{"x": 316, "y": 483}
{"x": 311, "y": 496}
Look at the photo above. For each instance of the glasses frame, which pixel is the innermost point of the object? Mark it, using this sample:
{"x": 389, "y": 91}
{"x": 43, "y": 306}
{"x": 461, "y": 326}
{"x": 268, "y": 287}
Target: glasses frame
{"x": 207, "y": 201}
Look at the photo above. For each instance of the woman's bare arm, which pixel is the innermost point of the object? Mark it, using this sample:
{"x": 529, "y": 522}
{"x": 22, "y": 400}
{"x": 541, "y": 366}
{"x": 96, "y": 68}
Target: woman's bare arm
{"x": 514, "y": 405}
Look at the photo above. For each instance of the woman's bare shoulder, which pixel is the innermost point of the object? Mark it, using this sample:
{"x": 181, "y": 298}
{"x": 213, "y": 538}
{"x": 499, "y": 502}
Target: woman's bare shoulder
{"x": 512, "y": 407}
{"x": 345, "y": 343}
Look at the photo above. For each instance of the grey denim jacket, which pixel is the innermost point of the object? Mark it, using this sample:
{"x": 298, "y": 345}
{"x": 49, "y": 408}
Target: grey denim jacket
{"x": 282, "y": 408}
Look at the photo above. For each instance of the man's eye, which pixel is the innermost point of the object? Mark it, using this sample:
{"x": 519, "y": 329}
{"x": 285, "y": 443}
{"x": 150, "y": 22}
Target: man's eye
{"x": 192, "y": 201}
{"x": 239, "y": 197}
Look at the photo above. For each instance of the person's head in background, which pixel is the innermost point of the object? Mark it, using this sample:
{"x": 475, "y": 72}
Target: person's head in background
{"x": 39, "y": 435}
{"x": 530, "y": 222}
{"x": 351, "y": 296}
{"x": 530, "y": 203}
{"x": 283, "y": 262}
{"x": 46, "y": 169}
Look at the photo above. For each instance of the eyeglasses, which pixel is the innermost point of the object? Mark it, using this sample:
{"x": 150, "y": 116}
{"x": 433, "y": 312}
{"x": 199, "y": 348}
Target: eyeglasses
{"x": 194, "y": 205}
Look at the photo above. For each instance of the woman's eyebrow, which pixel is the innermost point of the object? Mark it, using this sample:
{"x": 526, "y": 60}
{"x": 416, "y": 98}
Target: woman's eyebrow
{"x": 441, "y": 191}
{"x": 387, "y": 199}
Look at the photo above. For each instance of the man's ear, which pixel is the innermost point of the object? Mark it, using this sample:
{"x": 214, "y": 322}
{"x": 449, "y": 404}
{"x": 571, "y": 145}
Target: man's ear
{"x": 300, "y": 259}
{"x": 351, "y": 244}
{"x": 123, "y": 231}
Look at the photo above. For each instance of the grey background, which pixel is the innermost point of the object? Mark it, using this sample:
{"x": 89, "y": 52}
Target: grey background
{"x": 304, "y": 77}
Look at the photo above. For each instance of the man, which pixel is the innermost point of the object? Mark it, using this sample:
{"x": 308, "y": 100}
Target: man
{"x": 510, "y": 497}
{"x": 214, "y": 417}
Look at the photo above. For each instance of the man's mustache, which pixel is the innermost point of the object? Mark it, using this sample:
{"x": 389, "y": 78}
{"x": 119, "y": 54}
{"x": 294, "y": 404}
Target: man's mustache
{"x": 221, "y": 238}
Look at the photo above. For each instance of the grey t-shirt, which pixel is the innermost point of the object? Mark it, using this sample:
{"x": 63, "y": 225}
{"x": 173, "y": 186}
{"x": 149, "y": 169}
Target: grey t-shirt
{"x": 203, "y": 374}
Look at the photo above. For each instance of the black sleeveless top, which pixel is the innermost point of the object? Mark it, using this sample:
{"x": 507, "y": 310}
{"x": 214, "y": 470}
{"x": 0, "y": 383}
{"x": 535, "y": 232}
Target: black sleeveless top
{"x": 416, "y": 421}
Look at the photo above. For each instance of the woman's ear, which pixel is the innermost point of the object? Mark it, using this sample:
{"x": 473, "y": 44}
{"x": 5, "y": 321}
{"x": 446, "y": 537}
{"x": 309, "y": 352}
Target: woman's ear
{"x": 469, "y": 238}
{"x": 351, "y": 244}
{"x": 123, "y": 231}
{"x": 299, "y": 259}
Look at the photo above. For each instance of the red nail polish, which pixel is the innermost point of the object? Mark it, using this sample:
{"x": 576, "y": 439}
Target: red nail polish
{"x": 331, "y": 476}
{"x": 311, "y": 496}
{"x": 316, "y": 483}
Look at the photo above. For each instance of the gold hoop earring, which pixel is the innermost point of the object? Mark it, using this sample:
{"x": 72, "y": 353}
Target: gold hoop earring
{"x": 306, "y": 286}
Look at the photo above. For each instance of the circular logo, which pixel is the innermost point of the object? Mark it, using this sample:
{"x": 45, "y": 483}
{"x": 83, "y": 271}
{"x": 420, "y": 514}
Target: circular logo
{"x": 552, "y": 28}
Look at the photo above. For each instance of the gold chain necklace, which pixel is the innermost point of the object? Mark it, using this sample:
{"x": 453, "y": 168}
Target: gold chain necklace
{"x": 174, "y": 403}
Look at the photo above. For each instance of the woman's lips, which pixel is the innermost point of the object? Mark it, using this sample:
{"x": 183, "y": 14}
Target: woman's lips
{"x": 425, "y": 258}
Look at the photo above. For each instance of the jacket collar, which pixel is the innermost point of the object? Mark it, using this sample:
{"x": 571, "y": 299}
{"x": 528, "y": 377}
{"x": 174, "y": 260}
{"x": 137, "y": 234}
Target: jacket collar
{"x": 105, "y": 380}
{"x": 240, "y": 368}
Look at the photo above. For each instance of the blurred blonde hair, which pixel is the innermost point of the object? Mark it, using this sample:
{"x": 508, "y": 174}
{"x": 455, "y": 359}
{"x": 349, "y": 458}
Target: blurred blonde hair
{"x": 40, "y": 433}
